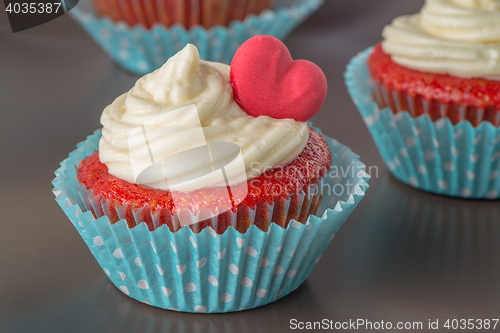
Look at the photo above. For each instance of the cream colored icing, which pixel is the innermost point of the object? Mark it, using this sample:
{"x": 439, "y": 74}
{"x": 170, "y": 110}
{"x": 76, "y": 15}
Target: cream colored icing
{"x": 175, "y": 101}
{"x": 456, "y": 37}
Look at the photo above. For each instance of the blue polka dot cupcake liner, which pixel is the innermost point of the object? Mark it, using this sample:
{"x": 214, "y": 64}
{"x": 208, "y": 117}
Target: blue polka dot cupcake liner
{"x": 141, "y": 50}
{"x": 435, "y": 156}
{"x": 204, "y": 271}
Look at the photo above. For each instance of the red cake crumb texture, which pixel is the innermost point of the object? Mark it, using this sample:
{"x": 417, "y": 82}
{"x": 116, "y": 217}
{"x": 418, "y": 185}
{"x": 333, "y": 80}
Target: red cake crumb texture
{"x": 276, "y": 185}
{"x": 415, "y": 87}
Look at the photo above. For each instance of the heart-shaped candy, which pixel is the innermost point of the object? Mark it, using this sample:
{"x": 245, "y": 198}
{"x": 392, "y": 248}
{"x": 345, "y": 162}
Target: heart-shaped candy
{"x": 267, "y": 81}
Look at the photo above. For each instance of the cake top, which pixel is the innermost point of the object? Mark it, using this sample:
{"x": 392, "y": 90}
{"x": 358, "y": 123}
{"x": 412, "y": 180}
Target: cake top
{"x": 456, "y": 37}
{"x": 183, "y": 105}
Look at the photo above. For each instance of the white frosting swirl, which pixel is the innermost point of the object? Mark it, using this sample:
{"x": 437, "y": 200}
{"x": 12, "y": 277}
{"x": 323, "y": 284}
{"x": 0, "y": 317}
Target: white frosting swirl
{"x": 159, "y": 99}
{"x": 456, "y": 37}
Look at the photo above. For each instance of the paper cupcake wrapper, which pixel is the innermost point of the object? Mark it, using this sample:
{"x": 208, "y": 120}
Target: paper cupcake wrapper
{"x": 400, "y": 101}
{"x": 297, "y": 206}
{"x": 206, "y": 271}
{"x": 456, "y": 160}
{"x": 142, "y": 50}
{"x": 185, "y": 12}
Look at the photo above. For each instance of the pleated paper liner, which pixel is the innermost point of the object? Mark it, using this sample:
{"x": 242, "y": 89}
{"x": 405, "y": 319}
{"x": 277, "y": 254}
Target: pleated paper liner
{"x": 206, "y": 271}
{"x": 400, "y": 101}
{"x": 435, "y": 156}
{"x": 297, "y": 206}
{"x": 142, "y": 50}
{"x": 189, "y": 13}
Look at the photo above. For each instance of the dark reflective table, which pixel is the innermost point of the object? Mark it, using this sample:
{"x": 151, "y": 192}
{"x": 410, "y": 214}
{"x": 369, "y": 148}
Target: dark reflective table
{"x": 402, "y": 256}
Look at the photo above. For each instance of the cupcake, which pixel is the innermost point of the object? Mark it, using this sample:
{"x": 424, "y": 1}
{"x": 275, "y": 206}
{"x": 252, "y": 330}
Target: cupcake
{"x": 141, "y": 35}
{"x": 196, "y": 197}
{"x": 185, "y": 12}
{"x": 429, "y": 94}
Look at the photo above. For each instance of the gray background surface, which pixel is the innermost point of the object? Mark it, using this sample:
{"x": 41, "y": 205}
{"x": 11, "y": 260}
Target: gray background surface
{"x": 403, "y": 255}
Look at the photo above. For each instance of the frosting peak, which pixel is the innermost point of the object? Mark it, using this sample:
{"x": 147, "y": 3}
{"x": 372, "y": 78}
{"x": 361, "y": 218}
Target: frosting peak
{"x": 456, "y": 37}
{"x": 179, "y": 80}
{"x": 185, "y": 104}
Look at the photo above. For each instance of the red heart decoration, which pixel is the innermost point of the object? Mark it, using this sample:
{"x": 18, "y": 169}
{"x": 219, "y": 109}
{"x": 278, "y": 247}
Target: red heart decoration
{"x": 268, "y": 82}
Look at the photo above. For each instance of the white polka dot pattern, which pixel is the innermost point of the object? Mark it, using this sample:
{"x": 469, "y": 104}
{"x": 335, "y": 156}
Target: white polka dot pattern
{"x": 235, "y": 270}
{"x": 201, "y": 262}
{"x": 118, "y": 253}
{"x": 137, "y": 261}
{"x": 221, "y": 254}
{"x": 246, "y": 282}
{"x": 181, "y": 268}
{"x": 142, "y": 284}
{"x": 166, "y": 291}
{"x": 240, "y": 242}
{"x": 191, "y": 239}
{"x": 190, "y": 287}
{"x": 200, "y": 308}
{"x": 124, "y": 290}
{"x": 98, "y": 241}
{"x": 261, "y": 293}
{"x": 264, "y": 262}
{"x": 251, "y": 251}
{"x": 213, "y": 281}
{"x": 278, "y": 270}
{"x": 226, "y": 298}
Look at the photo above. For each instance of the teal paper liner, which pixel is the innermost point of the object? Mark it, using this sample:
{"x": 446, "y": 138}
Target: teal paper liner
{"x": 142, "y": 50}
{"x": 456, "y": 160}
{"x": 205, "y": 271}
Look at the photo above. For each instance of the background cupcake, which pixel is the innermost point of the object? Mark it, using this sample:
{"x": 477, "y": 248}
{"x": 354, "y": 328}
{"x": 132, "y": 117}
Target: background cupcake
{"x": 190, "y": 256}
{"x": 435, "y": 77}
{"x": 142, "y": 35}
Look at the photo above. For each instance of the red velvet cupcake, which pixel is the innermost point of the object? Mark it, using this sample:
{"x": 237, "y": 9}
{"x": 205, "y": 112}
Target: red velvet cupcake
{"x": 226, "y": 189}
{"x": 178, "y": 149}
{"x": 444, "y": 62}
{"x": 430, "y": 97}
